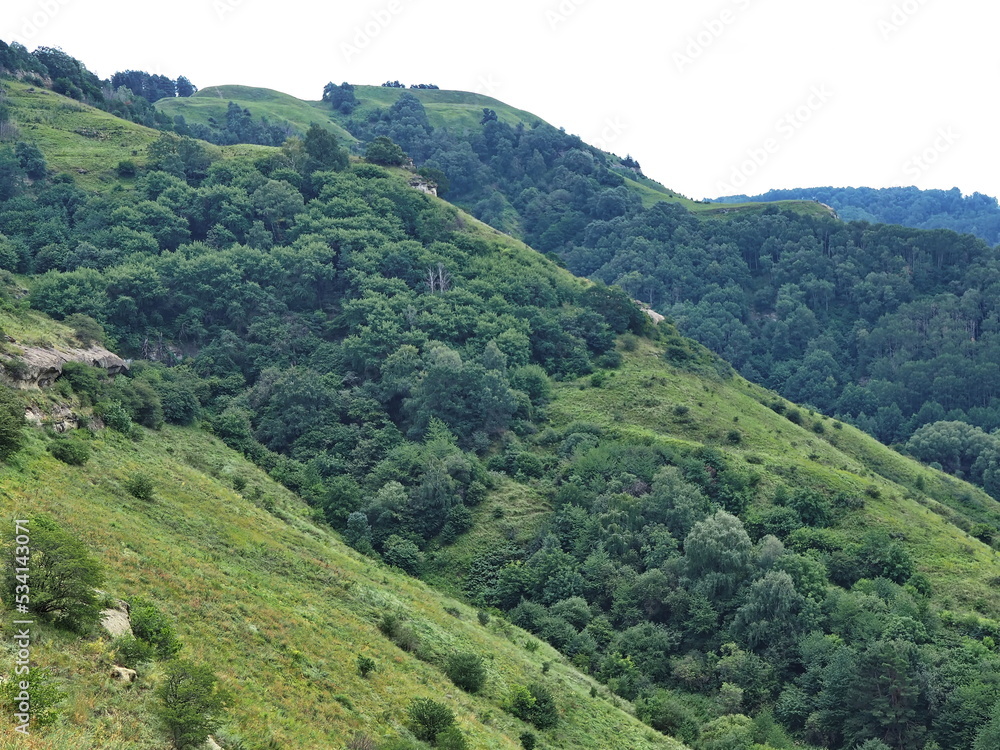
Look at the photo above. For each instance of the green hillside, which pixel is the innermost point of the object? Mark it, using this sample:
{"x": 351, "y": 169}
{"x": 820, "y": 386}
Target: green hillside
{"x": 81, "y": 140}
{"x": 459, "y": 112}
{"x": 359, "y": 422}
{"x": 279, "y": 608}
{"x": 211, "y": 102}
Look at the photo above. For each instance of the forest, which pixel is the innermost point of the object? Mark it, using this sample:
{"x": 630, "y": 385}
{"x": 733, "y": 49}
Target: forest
{"x": 393, "y": 362}
{"x": 889, "y": 328}
{"x": 976, "y": 214}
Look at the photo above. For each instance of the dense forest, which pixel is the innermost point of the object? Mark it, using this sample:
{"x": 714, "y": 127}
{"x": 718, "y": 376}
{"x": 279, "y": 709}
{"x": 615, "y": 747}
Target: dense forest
{"x": 392, "y": 362}
{"x": 892, "y": 329}
{"x": 976, "y": 214}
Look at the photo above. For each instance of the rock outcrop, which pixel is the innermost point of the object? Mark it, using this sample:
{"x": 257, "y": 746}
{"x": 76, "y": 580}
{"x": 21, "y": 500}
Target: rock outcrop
{"x": 38, "y": 367}
{"x": 116, "y": 621}
{"x": 124, "y": 674}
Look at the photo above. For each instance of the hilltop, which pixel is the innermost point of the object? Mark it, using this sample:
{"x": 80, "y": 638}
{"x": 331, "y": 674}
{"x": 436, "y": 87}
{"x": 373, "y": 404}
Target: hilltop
{"x": 323, "y": 357}
{"x": 976, "y": 214}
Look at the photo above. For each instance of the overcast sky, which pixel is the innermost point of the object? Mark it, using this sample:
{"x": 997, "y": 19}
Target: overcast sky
{"x": 713, "y": 98}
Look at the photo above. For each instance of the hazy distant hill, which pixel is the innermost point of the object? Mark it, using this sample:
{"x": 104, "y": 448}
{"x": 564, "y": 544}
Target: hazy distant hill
{"x": 976, "y": 214}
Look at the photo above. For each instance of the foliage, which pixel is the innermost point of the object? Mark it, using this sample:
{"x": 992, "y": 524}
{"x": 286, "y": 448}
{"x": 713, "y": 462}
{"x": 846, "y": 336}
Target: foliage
{"x": 12, "y": 423}
{"x": 140, "y": 486}
{"x": 428, "y": 719}
{"x": 71, "y": 450}
{"x": 466, "y": 670}
{"x": 151, "y": 626}
{"x": 191, "y": 703}
{"x": 63, "y": 576}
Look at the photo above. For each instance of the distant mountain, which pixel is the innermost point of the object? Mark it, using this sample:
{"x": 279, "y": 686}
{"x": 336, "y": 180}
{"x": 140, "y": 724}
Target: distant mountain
{"x": 976, "y": 214}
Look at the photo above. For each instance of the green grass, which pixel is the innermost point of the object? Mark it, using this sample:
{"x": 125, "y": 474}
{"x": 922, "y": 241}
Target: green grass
{"x": 279, "y": 608}
{"x": 927, "y": 509}
{"x": 212, "y": 102}
{"x": 459, "y": 112}
{"x": 83, "y": 141}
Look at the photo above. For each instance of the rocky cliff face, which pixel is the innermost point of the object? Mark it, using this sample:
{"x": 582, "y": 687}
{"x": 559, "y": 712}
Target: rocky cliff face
{"x": 37, "y": 367}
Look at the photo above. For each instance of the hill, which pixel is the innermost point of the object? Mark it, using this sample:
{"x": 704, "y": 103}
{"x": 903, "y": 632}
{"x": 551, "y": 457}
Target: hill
{"x": 459, "y": 113}
{"x": 456, "y": 405}
{"x": 909, "y": 206}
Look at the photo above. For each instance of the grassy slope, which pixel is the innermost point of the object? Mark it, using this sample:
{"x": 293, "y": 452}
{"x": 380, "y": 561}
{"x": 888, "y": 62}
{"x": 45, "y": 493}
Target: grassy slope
{"x": 279, "y": 608}
{"x": 82, "y": 140}
{"x": 275, "y": 106}
{"x": 640, "y": 401}
{"x": 457, "y": 111}
{"x": 915, "y": 503}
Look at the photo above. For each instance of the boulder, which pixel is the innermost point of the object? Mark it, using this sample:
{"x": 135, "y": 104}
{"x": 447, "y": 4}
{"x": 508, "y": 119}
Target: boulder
{"x": 211, "y": 744}
{"x": 124, "y": 674}
{"x": 38, "y": 367}
{"x": 116, "y": 621}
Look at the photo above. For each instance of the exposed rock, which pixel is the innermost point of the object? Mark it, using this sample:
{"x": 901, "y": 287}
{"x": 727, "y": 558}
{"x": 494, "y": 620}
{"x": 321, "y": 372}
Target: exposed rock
{"x": 124, "y": 674}
{"x": 116, "y": 621}
{"x": 653, "y": 315}
{"x": 60, "y": 418}
{"x": 424, "y": 186}
{"x": 211, "y": 744}
{"x": 36, "y": 367}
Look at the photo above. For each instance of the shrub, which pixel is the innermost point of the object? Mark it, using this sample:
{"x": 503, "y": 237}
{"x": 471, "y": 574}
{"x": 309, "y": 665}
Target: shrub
{"x": 127, "y": 168}
{"x": 151, "y": 626}
{"x": 87, "y": 330}
{"x": 483, "y": 617}
{"x": 140, "y": 486}
{"x": 11, "y": 423}
{"x": 428, "y": 718}
{"x": 528, "y": 740}
{"x": 533, "y": 704}
{"x": 467, "y": 671}
{"x": 366, "y": 665}
{"x": 451, "y": 739}
{"x": 70, "y": 451}
{"x": 115, "y": 416}
{"x": 45, "y": 698}
{"x": 131, "y": 652}
{"x": 190, "y": 703}
{"x": 63, "y": 576}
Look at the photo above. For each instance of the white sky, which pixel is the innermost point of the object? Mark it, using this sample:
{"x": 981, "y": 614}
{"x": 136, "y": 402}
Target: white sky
{"x": 774, "y": 93}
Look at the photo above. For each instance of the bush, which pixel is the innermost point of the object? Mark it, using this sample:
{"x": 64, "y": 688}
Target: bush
{"x": 153, "y": 627}
{"x": 451, "y": 739}
{"x": 115, "y": 416}
{"x": 11, "y": 423}
{"x": 131, "y": 652}
{"x": 45, "y": 698}
{"x": 87, "y": 330}
{"x": 384, "y": 152}
{"x": 533, "y": 704}
{"x": 366, "y": 665}
{"x": 70, "y": 451}
{"x": 467, "y": 671}
{"x": 528, "y": 740}
{"x": 63, "y": 576}
{"x": 140, "y": 486}
{"x": 190, "y": 703}
{"x": 428, "y": 719}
